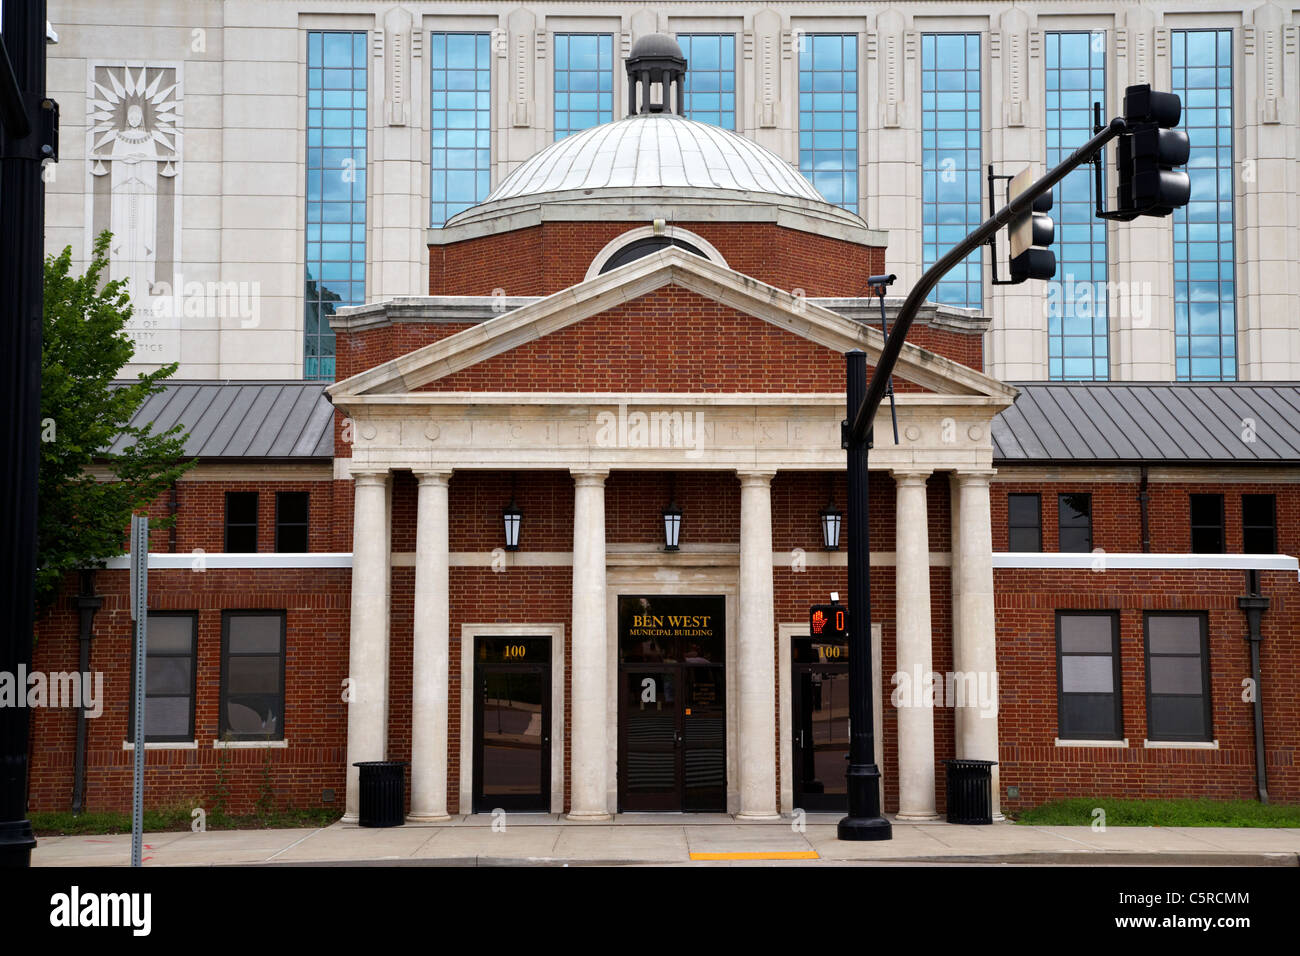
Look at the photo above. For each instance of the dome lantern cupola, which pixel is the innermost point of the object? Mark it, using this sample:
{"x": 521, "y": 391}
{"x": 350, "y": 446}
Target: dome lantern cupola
{"x": 656, "y": 59}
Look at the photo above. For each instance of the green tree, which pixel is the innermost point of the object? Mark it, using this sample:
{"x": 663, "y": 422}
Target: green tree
{"x": 82, "y": 520}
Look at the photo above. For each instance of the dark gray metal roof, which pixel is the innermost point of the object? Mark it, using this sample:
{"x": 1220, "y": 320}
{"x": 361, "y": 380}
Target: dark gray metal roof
{"x": 1183, "y": 423}
{"x": 285, "y": 420}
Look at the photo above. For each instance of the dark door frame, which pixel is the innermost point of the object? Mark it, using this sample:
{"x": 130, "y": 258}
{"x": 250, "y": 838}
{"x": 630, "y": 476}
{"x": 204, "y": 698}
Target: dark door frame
{"x": 675, "y": 802}
{"x": 811, "y": 801}
{"x": 520, "y": 803}
{"x": 650, "y": 802}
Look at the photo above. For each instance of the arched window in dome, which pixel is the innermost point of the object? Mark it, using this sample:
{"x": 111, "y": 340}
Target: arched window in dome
{"x": 643, "y": 247}
{"x": 638, "y": 243}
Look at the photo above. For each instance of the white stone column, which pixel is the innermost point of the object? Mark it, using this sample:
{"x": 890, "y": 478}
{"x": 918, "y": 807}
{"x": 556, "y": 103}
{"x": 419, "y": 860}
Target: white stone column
{"x": 589, "y": 723}
{"x": 913, "y": 654}
{"x": 429, "y": 657}
{"x": 978, "y": 658}
{"x": 368, "y": 644}
{"x": 756, "y": 683}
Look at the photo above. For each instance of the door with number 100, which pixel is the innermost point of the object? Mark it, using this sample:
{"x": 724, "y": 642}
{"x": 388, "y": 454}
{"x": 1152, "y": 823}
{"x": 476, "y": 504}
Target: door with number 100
{"x": 512, "y": 724}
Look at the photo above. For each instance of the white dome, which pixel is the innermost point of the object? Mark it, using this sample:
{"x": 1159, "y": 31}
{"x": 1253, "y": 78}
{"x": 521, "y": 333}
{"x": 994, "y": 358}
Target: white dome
{"x": 655, "y": 150}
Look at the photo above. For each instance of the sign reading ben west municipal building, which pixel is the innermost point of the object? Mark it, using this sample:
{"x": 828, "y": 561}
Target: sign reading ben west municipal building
{"x": 672, "y": 628}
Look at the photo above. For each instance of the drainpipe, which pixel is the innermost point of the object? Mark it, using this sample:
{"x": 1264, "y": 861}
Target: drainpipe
{"x": 86, "y": 603}
{"x": 1254, "y": 606}
{"x": 1143, "y": 504}
{"x": 171, "y": 512}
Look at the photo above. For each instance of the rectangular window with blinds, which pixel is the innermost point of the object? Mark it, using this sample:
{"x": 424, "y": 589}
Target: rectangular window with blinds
{"x": 252, "y": 675}
{"x": 1088, "y": 676}
{"x": 169, "y": 670}
{"x": 1178, "y": 676}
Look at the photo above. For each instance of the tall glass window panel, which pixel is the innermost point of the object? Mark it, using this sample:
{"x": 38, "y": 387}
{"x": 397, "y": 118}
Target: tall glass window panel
{"x": 1207, "y": 524}
{"x": 1074, "y": 522}
{"x": 952, "y": 182}
{"x": 460, "y": 91}
{"x": 1205, "y": 296}
{"x": 1077, "y": 318}
{"x": 710, "y": 77}
{"x": 1024, "y": 522}
{"x": 336, "y": 189}
{"x": 584, "y": 81}
{"x": 828, "y": 115}
{"x": 1259, "y": 524}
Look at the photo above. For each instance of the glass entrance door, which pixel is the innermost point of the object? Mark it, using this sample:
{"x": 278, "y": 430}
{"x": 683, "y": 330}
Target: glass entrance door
{"x": 512, "y": 725}
{"x": 820, "y": 708}
{"x": 672, "y": 717}
{"x": 704, "y": 740}
{"x": 673, "y": 739}
{"x": 651, "y": 739}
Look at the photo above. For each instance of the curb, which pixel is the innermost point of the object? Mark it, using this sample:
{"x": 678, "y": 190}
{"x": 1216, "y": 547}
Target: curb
{"x": 1068, "y": 858}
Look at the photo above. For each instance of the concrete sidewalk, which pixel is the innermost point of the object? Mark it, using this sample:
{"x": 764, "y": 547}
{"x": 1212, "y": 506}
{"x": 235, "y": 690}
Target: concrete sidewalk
{"x": 676, "y": 839}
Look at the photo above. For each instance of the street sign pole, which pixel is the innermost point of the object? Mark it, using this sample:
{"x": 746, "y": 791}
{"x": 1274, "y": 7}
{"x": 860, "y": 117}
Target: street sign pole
{"x": 140, "y": 612}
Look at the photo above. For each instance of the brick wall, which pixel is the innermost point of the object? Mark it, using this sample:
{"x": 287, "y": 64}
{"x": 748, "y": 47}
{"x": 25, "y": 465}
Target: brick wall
{"x": 1116, "y": 513}
{"x": 670, "y": 340}
{"x": 1027, "y": 601}
{"x": 362, "y": 349}
{"x": 201, "y": 510}
{"x": 317, "y": 601}
{"x": 555, "y": 255}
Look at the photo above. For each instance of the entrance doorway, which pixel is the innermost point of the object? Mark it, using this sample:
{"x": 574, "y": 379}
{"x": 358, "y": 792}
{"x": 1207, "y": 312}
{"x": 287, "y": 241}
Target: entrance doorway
{"x": 512, "y": 724}
{"x": 820, "y": 711}
{"x": 672, "y": 723}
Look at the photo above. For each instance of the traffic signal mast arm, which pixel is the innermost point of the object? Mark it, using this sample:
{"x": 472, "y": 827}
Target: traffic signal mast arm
{"x": 1021, "y": 204}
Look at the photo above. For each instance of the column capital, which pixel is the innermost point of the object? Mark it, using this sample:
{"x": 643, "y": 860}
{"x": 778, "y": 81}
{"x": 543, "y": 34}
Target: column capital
{"x": 370, "y": 476}
{"x": 583, "y": 477}
{"x": 432, "y": 476}
{"x": 755, "y": 477}
{"x": 975, "y": 476}
{"x": 911, "y": 476}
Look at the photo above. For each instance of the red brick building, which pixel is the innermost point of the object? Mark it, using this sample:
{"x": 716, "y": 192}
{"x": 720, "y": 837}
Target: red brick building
{"x": 553, "y": 536}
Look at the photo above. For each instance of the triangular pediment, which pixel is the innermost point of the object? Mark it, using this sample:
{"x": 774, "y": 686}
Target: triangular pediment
{"x": 669, "y": 267}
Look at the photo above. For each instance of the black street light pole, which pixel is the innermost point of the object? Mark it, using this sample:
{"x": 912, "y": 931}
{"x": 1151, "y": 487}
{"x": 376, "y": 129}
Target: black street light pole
{"x": 864, "y": 821}
{"x": 25, "y": 141}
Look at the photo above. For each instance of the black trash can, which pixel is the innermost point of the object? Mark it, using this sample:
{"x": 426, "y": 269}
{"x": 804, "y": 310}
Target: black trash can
{"x": 970, "y": 791}
{"x": 383, "y": 793}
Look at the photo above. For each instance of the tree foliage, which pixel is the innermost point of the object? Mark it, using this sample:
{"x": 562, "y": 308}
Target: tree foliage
{"x": 83, "y": 519}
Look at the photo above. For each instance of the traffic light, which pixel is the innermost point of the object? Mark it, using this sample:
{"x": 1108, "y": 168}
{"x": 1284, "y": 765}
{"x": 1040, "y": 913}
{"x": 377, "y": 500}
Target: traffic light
{"x": 1031, "y": 233}
{"x": 1149, "y": 184}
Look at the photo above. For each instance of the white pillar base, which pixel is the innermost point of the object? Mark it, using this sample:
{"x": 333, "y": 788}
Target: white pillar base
{"x": 581, "y": 817}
